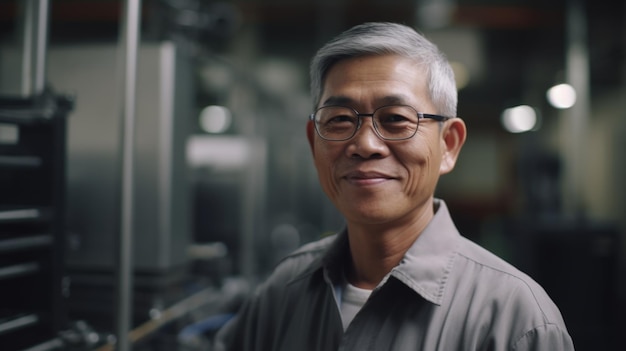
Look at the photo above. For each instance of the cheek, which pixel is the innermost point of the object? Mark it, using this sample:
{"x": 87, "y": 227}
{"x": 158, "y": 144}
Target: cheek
{"x": 324, "y": 163}
{"x": 422, "y": 169}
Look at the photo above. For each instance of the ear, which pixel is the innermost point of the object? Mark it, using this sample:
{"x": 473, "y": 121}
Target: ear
{"x": 452, "y": 139}
{"x": 310, "y": 135}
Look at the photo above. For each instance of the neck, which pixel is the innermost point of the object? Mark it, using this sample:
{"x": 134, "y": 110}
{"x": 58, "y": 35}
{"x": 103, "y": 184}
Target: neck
{"x": 377, "y": 249}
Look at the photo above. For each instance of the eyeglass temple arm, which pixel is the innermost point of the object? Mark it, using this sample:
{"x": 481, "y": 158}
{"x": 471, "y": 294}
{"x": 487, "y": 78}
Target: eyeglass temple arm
{"x": 438, "y": 118}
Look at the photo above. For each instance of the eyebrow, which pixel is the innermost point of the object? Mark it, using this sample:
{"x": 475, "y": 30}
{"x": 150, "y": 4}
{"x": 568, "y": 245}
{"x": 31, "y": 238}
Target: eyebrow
{"x": 337, "y": 100}
{"x": 396, "y": 99}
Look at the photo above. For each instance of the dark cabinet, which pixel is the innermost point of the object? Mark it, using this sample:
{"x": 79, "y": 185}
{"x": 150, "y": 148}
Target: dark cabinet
{"x": 32, "y": 216}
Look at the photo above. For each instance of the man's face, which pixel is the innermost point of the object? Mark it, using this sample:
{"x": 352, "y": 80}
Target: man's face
{"x": 370, "y": 180}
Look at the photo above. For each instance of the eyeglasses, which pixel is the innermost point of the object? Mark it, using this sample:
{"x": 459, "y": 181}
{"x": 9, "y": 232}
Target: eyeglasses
{"x": 394, "y": 122}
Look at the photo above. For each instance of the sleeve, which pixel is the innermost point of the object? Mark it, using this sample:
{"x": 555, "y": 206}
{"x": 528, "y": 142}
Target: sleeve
{"x": 225, "y": 337}
{"x": 548, "y": 337}
{"x": 240, "y": 332}
{"x": 254, "y": 327}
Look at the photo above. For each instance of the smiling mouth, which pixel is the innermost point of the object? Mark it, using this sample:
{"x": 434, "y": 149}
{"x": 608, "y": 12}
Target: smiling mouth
{"x": 367, "y": 178}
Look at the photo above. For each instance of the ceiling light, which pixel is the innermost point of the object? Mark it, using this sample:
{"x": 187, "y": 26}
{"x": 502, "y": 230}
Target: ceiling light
{"x": 561, "y": 96}
{"x": 215, "y": 119}
{"x": 519, "y": 119}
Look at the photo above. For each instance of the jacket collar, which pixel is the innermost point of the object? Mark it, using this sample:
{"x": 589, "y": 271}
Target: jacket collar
{"x": 425, "y": 267}
{"x": 427, "y": 264}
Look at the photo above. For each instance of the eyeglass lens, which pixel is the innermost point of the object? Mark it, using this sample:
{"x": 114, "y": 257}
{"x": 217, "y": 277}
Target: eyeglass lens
{"x": 391, "y": 122}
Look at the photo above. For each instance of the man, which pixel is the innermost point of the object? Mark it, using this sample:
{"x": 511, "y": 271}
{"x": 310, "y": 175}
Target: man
{"x": 399, "y": 276}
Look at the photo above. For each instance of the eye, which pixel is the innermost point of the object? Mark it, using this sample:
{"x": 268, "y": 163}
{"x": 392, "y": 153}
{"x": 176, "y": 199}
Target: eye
{"x": 336, "y": 116}
{"x": 393, "y": 118}
{"x": 396, "y": 115}
{"x": 336, "y": 119}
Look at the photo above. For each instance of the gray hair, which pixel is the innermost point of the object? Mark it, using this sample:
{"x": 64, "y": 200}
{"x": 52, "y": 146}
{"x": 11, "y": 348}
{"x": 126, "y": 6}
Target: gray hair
{"x": 389, "y": 38}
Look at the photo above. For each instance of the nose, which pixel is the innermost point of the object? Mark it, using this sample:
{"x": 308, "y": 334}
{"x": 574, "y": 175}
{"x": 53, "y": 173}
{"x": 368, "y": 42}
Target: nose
{"x": 366, "y": 143}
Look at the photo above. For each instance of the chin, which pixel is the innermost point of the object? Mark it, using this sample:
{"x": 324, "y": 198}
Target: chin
{"x": 370, "y": 215}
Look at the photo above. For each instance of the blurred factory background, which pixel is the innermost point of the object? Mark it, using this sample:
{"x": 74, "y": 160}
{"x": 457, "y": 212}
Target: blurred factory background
{"x": 224, "y": 185}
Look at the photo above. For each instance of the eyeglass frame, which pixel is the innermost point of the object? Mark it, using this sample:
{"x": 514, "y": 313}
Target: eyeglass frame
{"x": 420, "y": 115}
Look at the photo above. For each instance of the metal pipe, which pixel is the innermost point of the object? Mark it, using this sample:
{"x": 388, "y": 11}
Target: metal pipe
{"x": 129, "y": 43}
{"x": 27, "y": 48}
{"x": 577, "y": 117}
{"x": 206, "y": 297}
{"x": 41, "y": 46}
{"x": 35, "y": 31}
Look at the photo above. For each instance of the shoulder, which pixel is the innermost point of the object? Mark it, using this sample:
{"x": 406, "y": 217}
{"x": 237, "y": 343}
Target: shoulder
{"x": 307, "y": 258}
{"x": 312, "y": 249}
{"x": 267, "y": 306}
{"x": 504, "y": 279}
{"x": 507, "y": 297}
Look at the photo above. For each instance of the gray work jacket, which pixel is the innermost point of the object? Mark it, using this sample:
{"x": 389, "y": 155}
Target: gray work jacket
{"x": 446, "y": 294}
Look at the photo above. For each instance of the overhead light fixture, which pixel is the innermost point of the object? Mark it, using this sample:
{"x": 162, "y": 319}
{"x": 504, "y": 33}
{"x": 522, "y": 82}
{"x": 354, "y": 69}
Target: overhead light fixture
{"x": 215, "y": 119}
{"x": 561, "y": 96}
{"x": 519, "y": 119}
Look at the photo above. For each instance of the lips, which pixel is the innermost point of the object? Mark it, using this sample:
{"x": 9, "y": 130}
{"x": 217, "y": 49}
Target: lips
{"x": 367, "y": 177}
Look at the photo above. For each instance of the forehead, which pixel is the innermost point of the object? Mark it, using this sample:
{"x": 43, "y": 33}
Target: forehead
{"x": 375, "y": 80}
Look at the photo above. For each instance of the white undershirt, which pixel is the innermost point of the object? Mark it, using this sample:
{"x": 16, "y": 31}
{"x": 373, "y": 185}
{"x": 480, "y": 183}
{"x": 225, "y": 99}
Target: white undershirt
{"x": 352, "y": 299}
